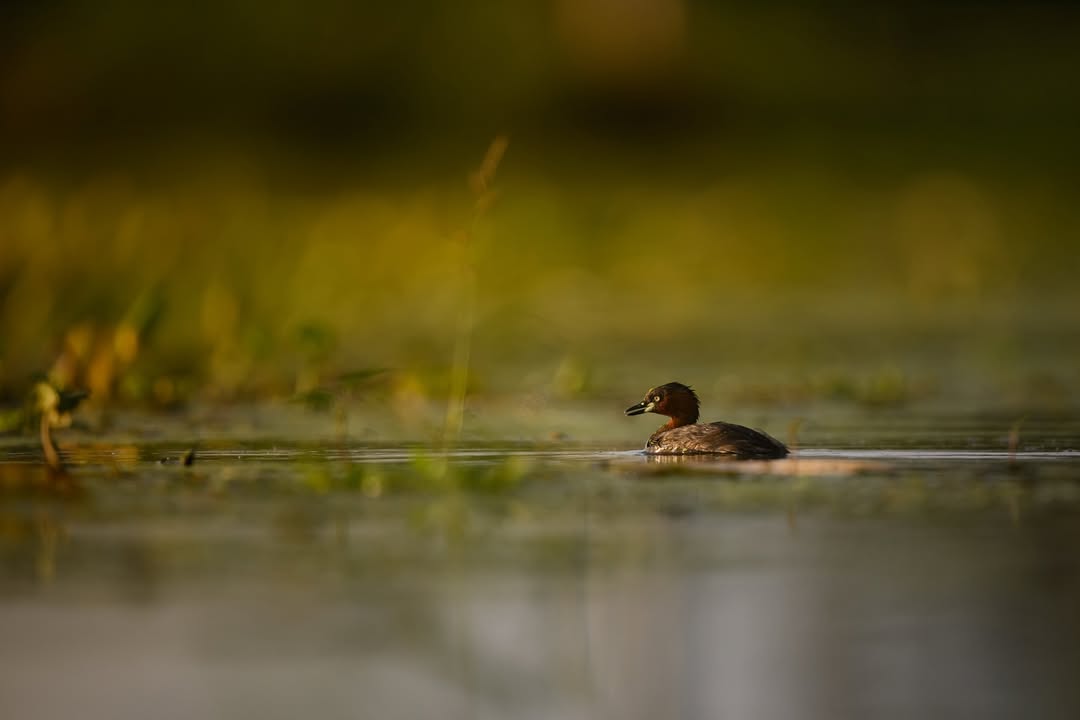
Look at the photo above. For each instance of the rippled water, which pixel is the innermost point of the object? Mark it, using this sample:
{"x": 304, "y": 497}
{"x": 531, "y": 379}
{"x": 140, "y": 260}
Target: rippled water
{"x": 932, "y": 576}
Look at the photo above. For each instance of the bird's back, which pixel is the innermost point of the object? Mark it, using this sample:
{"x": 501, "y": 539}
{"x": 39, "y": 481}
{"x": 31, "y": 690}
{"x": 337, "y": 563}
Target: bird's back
{"x": 719, "y": 438}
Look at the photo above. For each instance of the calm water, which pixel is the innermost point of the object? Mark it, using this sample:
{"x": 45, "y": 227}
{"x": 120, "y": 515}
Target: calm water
{"x": 902, "y": 576}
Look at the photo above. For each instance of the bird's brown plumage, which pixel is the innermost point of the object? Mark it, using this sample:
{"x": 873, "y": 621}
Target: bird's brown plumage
{"x": 683, "y": 435}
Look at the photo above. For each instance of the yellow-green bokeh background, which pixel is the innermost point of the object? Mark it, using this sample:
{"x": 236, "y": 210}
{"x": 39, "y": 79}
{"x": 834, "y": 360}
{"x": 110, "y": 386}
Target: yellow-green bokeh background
{"x": 778, "y": 202}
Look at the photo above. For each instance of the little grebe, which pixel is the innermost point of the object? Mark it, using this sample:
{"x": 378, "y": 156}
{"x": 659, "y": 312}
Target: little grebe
{"x": 684, "y": 435}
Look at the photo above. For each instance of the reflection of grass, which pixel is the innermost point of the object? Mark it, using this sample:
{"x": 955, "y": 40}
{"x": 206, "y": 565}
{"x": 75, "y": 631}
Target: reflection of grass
{"x": 330, "y": 503}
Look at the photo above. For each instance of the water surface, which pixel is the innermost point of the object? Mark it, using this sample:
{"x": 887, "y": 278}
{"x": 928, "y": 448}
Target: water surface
{"x": 904, "y": 579}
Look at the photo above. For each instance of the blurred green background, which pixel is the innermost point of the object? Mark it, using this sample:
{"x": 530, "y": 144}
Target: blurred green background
{"x": 780, "y": 203}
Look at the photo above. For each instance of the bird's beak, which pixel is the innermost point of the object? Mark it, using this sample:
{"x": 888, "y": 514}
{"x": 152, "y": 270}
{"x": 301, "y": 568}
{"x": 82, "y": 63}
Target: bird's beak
{"x": 642, "y": 407}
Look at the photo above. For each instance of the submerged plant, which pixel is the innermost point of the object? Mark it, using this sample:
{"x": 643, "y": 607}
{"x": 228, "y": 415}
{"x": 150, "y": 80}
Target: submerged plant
{"x": 336, "y": 395}
{"x": 54, "y": 408}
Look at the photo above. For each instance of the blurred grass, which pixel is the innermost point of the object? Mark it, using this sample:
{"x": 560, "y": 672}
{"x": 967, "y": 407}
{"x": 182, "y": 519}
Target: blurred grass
{"x": 229, "y": 289}
{"x": 781, "y": 205}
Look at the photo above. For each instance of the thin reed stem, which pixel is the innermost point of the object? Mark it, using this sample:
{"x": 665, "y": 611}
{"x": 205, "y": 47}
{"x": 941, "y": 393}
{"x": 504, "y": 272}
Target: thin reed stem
{"x": 480, "y": 183}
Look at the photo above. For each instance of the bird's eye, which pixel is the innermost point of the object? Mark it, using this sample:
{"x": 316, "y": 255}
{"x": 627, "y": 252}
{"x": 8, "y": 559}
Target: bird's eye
{"x": 656, "y": 398}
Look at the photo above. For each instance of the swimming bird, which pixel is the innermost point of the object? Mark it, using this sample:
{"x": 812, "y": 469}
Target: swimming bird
{"x": 684, "y": 435}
